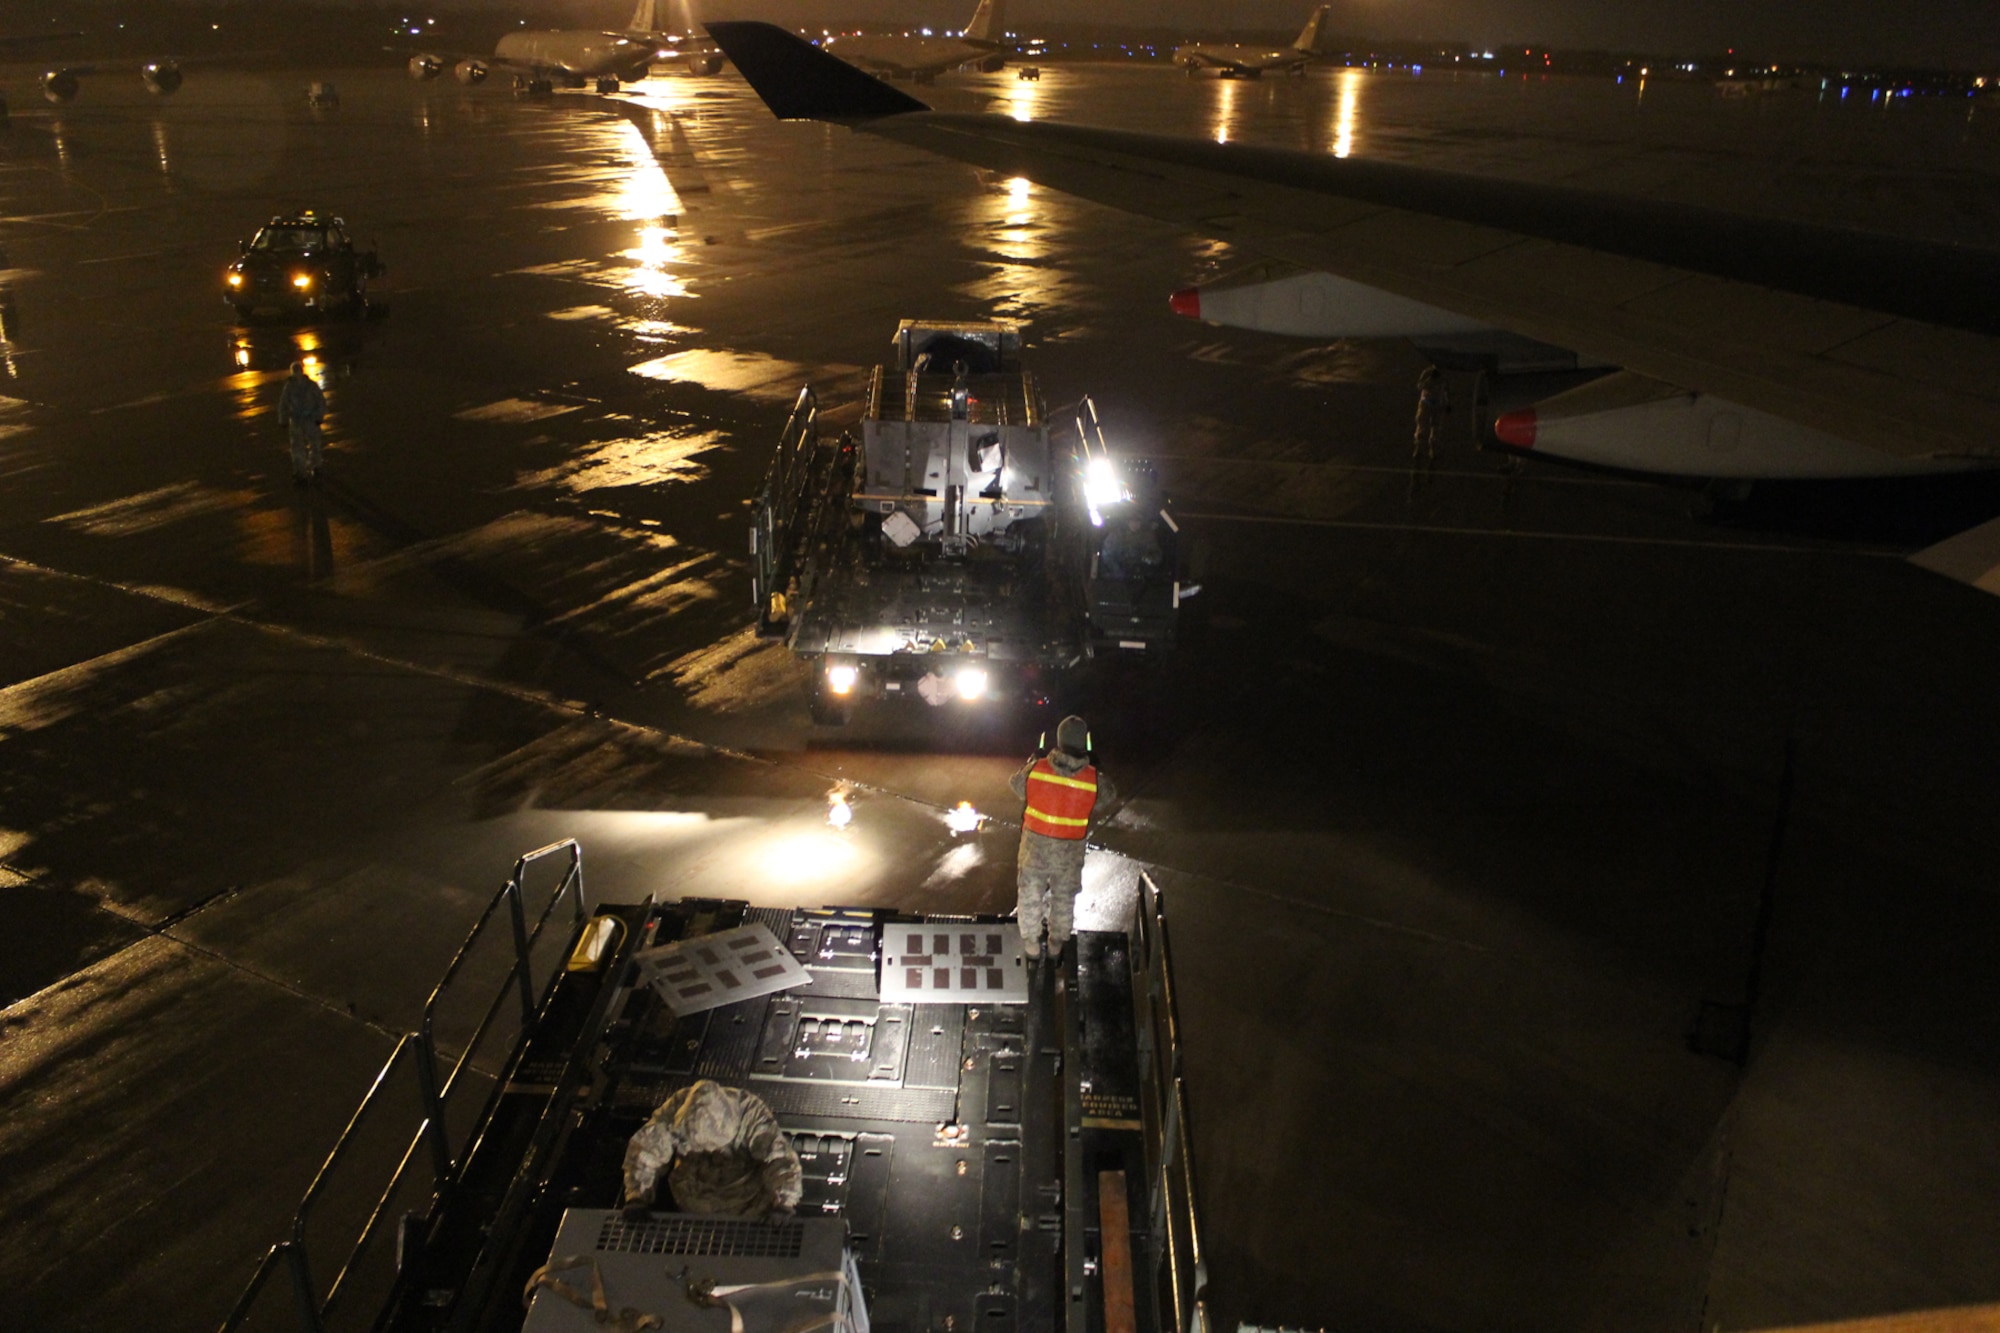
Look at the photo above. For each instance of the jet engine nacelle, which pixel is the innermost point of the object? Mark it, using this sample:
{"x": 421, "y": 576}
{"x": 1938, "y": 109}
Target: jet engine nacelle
{"x": 993, "y": 64}
{"x": 706, "y": 65}
{"x": 1315, "y": 305}
{"x": 61, "y": 85}
{"x": 162, "y": 78}
{"x": 425, "y": 68}
{"x": 469, "y": 72}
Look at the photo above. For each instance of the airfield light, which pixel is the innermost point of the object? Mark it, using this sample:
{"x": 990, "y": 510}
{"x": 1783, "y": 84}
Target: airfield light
{"x": 962, "y": 818}
{"x": 971, "y": 682}
{"x": 841, "y": 676}
{"x": 839, "y": 813}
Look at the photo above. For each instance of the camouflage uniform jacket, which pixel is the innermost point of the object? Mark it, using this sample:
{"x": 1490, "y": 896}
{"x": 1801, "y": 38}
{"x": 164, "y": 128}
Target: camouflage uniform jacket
{"x": 727, "y": 1152}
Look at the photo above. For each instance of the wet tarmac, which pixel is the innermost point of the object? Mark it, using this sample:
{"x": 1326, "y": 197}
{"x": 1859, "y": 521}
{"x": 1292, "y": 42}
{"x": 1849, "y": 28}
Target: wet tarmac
{"x": 1465, "y": 791}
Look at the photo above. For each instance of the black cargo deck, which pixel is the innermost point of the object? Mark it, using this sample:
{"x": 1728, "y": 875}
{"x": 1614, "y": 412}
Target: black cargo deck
{"x": 1002, "y": 1146}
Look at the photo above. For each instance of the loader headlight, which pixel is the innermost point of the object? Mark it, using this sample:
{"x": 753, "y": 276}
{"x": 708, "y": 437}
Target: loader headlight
{"x": 1102, "y": 488}
{"x": 840, "y": 677}
{"x": 971, "y": 682}
{"x": 302, "y": 281}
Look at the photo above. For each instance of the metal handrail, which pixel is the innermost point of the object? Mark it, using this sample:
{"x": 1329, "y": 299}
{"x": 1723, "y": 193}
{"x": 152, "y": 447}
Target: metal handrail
{"x": 1171, "y": 1184}
{"x": 310, "y": 1308}
{"x": 773, "y": 520}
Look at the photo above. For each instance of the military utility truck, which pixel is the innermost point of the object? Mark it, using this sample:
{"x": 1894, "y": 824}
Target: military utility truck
{"x": 950, "y": 551}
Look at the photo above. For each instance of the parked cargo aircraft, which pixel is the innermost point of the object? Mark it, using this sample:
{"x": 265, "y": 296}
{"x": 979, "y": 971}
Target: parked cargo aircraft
{"x": 1743, "y": 347}
{"x": 575, "y": 57}
{"x": 982, "y": 44}
{"x": 1248, "y": 62}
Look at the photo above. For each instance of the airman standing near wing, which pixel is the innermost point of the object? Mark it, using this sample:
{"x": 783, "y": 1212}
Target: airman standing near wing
{"x": 1061, "y": 789}
{"x": 301, "y": 406}
{"x": 1433, "y": 401}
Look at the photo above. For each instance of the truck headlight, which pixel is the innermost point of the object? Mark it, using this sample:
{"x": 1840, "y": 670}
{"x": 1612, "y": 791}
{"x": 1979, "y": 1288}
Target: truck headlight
{"x": 302, "y": 281}
{"x": 235, "y": 280}
{"x": 971, "y": 682}
{"x": 840, "y": 677}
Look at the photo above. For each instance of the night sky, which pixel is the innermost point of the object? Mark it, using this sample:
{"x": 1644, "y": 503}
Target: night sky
{"x": 1946, "y": 32}
{"x": 1949, "y": 33}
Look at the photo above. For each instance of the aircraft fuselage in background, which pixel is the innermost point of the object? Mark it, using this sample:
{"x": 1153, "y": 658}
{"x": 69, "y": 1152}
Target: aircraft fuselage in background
{"x": 577, "y": 56}
{"x": 982, "y": 44}
{"x": 1248, "y": 62}
{"x": 582, "y": 55}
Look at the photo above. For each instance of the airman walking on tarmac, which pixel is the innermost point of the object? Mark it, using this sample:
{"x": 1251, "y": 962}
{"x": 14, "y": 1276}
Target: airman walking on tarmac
{"x": 1061, "y": 789}
{"x": 301, "y": 406}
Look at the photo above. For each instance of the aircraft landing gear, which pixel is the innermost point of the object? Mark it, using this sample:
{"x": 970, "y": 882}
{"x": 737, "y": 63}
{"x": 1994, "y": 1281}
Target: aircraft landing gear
{"x": 533, "y": 86}
{"x": 608, "y": 84}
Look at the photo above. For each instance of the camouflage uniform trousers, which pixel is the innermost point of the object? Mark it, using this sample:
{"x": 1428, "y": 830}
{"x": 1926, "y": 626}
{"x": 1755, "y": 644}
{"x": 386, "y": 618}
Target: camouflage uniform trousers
{"x": 305, "y": 438}
{"x": 728, "y": 1155}
{"x": 1050, "y": 877}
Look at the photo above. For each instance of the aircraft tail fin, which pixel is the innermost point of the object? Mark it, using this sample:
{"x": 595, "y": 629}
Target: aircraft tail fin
{"x": 1309, "y": 35}
{"x": 798, "y": 81}
{"x": 645, "y": 17}
{"x": 989, "y": 22}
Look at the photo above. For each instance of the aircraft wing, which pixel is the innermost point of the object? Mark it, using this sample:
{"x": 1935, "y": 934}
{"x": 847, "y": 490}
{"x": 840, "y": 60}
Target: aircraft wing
{"x": 1884, "y": 341}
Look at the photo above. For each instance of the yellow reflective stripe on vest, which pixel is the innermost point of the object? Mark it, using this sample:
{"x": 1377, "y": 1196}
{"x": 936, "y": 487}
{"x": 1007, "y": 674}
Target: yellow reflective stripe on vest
{"x": 1038, "y": 776}
{"x": 1057, "y": 819}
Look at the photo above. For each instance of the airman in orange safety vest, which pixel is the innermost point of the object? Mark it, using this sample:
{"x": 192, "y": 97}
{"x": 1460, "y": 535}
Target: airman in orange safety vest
{"x": 1062, "y": 789}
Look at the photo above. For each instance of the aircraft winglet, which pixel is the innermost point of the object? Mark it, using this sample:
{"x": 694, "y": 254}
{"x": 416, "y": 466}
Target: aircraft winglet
{"x": 798, "y": 81}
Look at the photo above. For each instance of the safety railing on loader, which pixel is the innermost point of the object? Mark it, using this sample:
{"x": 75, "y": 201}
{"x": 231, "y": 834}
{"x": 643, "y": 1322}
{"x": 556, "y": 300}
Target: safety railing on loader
{"x": 774, "y": 522}
{"x": 432, "y": 1137}
{"x": 1180, "y": 1275}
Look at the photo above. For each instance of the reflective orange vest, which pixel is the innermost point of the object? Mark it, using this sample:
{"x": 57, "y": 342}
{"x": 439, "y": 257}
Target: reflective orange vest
{"x": 1059, "y": 806}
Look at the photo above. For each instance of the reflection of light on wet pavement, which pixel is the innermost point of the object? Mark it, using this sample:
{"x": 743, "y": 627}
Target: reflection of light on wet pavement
{"x": 1225, "y": 109}
{"x": 955, "y": 865}
{"x": 749, "y": 373}
{"x": 648, "y": 275}
{"x": 737, "y": 674}
{"x": 1022, "y": 283}
{"x": 816, "y": 857}
{"x": 1346, "y": 111}
{"x": 1023, "y": 98}
{"x": 150, "y": 510}
{"x": 648, "y": 460}
{"x": 516, "y": 411}
{"x": 962, "y": 818}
